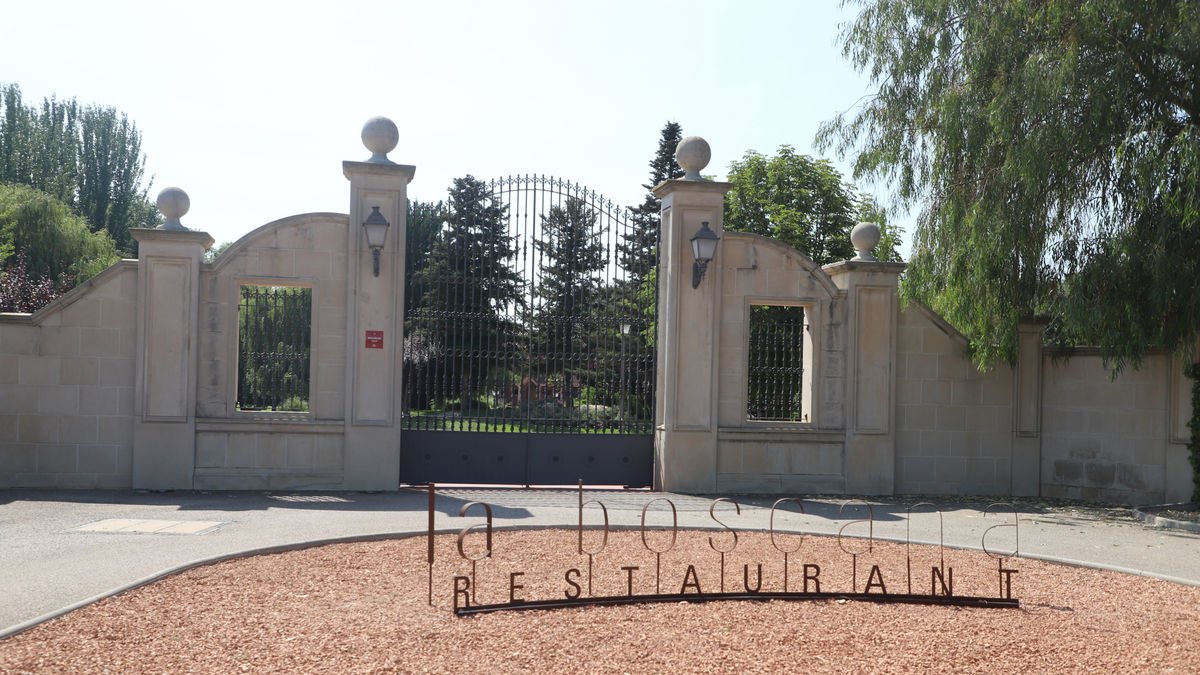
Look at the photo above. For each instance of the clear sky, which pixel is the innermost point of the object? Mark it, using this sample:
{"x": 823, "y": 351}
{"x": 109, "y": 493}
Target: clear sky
{"x": 251, "y": 106}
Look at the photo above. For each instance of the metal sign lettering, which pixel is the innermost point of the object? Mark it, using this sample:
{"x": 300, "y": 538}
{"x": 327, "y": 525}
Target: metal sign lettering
{"x": 724, "y": 540}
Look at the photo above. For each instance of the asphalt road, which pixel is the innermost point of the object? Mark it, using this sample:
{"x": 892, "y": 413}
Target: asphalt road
{"x": 48, "y": 564}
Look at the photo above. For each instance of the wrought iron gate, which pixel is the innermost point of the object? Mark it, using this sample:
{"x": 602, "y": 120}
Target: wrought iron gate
{"x": 529, "y": 337}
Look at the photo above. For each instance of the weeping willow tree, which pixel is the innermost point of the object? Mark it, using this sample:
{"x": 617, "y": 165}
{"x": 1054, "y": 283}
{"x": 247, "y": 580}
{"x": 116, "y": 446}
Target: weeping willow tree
{"x": 1052, "y": 149}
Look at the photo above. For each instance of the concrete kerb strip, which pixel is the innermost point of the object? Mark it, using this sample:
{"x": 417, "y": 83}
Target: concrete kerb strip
{"x": 385, "y": 536}
{"x": 1147, "y": 515}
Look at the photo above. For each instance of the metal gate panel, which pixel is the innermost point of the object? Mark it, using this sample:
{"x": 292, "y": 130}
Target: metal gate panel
{"x": 525, "y": 459}
{"x": 597, "y": 459}
{"x": 462, "y": 457}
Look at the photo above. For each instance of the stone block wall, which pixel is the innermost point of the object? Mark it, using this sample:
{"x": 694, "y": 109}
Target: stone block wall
{"x": 954, "y": 432}
{"x": 262, "y": 455}
{"x": 67, "y": 387}
{"x": 1104, "y": 438}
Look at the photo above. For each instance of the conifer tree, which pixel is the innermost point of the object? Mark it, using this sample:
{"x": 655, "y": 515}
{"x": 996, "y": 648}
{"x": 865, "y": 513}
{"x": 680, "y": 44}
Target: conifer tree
{"x": 424, "y": 224}
{"x": 638, "y": 252}
{"x": 467, "y": 289}
{"x": 573, "y": 261}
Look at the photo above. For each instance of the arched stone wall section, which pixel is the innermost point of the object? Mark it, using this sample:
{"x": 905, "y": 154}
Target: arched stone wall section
{"x": 307, "y": 250}
{"x": 758, "y": 456}
{"x": 757, "y": 270}
{"x": 263, "y": 450}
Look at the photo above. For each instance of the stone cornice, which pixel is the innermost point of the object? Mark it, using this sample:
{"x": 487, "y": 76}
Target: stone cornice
{"x": 680, "y": 185}
{"x": 351, "y": 168}
{"x": 146, "y": 235}
{"x": 846, "y": 266}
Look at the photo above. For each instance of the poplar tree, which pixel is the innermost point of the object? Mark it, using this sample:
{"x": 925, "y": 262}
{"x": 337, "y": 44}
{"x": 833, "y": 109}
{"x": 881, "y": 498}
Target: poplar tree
{"x": 88, "y": 157}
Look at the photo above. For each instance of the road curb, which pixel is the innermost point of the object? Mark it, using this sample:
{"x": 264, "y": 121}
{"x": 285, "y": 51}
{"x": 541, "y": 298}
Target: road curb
{"x": 1149, "y": 516}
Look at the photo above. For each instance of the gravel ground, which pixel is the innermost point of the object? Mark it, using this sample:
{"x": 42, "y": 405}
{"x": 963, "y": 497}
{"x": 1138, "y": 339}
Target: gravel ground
{"x": 362, "y": 607}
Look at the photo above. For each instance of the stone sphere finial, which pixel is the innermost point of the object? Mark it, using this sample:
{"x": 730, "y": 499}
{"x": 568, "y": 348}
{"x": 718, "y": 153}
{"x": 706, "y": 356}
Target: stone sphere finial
{"x": 864, "y": 237}
{"x": 693, "y": 154}
{"x": 380, "y": 136}
{"x": 173, "y": 203}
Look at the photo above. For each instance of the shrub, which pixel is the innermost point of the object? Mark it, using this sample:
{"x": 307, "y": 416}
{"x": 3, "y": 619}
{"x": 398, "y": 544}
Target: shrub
{"x": 43, "y": 246}
{"x": 22, "y": 292}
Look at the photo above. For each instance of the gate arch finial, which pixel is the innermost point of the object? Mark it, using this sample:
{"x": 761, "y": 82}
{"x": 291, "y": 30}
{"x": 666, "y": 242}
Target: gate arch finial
{"x": 380, "y": 136}
{"x": 693, "y": 154}
{"x": 174, "y": 204}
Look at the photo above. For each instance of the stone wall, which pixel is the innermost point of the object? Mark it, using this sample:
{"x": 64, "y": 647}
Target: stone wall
{"x": 955, "y": 429}
{"x": 1110, "y": 439}
{"x": 804, "y": 456}
{"x": 67, "y": 387}
{"x": 245, "y": 450}
{"x": 130, "y": 379}
{"x": 257, "y": 455}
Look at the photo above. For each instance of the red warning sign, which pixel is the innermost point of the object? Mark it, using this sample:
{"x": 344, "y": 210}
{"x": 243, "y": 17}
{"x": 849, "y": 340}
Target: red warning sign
{"x": 374, "y": 339}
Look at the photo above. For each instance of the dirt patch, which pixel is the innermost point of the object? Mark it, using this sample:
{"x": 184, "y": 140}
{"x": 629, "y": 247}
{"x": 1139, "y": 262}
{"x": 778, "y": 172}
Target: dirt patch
{"x": 362, "y": 607}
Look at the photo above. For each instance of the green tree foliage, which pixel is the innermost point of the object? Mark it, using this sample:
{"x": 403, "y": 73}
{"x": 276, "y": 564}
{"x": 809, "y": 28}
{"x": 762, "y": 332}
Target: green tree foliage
{"x": 467, "y": 288}
{"x": 800, "y": 201}
{"x": 637, "y": 253}
{"x": 274, "y": 348}
{"x": 53, "y": 243}
{"x": 88, "y": 157}
{"x": 111, "y": 167}
{"x": 424, "y": 224}
{"x": 1054, "y": 150}
{"x": 214, "y": 253}
{"x": 573, "y": 260}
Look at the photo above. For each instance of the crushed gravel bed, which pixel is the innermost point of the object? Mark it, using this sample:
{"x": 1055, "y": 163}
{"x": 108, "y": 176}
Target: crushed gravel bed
{"x": 362, "y": 607}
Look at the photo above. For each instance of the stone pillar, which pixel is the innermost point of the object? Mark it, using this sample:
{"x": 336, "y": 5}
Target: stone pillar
{"x": 685, "y": 440}
{"x": 168, "y": 300}
{"x": 375, "y": 314}
{"x": 872, "y": 318}
{"x": 1026, "y": 477}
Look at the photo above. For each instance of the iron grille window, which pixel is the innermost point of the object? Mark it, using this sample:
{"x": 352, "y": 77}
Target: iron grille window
{"x": 775, "y": 382}
{"x": 274, "y": 345}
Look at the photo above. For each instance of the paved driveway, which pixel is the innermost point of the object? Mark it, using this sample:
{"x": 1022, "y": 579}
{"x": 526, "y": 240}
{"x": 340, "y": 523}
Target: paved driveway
{"x": 59, "y": 549}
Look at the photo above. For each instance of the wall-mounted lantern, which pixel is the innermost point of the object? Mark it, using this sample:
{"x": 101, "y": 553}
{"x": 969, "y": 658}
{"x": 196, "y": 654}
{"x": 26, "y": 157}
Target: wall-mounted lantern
{"x": 376, "y": 227}
{"x": 704, "y": 247}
